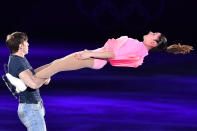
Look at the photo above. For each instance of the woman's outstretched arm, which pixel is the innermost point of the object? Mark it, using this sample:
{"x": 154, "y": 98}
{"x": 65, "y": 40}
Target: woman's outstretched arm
{"x": 41, "y": 68}
{"x": 101, "y": 54}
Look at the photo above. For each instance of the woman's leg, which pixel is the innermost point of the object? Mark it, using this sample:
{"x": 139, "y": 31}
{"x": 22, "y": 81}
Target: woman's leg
{"x": 65, "y": 64}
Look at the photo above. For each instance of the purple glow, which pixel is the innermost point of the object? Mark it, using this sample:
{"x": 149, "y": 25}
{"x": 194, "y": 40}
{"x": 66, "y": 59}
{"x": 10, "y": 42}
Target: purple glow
{"x": 72, "y": 108}
{"x": 160, "y": 95}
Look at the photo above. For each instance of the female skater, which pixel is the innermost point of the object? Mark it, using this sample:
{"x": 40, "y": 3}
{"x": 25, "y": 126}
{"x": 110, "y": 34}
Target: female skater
{"x": 123, "y": 52}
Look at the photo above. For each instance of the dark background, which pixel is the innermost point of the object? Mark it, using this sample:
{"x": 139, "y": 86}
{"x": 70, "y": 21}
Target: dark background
{"x": 98, "y": 20}
{"x": 160, "y": 95}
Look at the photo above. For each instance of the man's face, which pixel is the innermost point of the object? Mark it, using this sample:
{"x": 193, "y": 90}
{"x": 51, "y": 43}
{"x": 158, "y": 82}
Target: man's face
{"x": 151, "y": 38}
{"x": 25, "y": 47}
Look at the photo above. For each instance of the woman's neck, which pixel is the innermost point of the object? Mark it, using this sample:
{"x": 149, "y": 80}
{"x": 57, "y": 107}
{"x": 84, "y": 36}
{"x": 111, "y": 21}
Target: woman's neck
{"x": 147, "y": 46}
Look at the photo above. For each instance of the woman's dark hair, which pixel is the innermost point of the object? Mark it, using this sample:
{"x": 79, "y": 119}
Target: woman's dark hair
{"x": 175, "y": 48}
{"x": 161, "y": 43}
{"x": 14, "y": 40}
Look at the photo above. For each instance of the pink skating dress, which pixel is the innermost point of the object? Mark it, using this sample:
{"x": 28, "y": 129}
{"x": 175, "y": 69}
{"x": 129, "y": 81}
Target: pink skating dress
{"x": 124, "y": 49}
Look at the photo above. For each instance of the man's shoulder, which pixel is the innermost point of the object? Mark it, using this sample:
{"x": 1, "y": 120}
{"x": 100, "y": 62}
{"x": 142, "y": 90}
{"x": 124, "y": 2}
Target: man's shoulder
{"x": 16, "y": 65}
{"x": 15, "y": 60}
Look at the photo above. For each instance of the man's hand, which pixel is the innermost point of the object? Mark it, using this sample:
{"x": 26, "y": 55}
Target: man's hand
{"x": 47, "y": 81}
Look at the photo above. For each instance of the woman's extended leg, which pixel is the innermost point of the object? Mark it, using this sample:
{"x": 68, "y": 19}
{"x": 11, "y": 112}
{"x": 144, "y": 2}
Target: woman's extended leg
{"x": 65, "y": 64}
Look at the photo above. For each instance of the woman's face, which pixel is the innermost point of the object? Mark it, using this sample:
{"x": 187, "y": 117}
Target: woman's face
{"x": 151, "y": 38}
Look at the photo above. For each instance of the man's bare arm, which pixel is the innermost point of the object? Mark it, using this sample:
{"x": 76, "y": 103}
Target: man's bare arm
{"x": 31, "y": 80}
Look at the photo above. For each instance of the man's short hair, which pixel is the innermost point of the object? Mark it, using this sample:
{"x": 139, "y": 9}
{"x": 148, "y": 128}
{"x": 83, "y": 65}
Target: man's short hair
{"x": 14, "y": 40}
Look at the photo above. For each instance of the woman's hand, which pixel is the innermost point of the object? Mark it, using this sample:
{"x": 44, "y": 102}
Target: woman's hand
{"x": 83, "y": 55}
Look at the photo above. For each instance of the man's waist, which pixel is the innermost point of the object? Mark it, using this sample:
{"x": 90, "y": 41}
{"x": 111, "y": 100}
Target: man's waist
{"x": 29, "y": 97}
{"x": 31, "y": 102}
